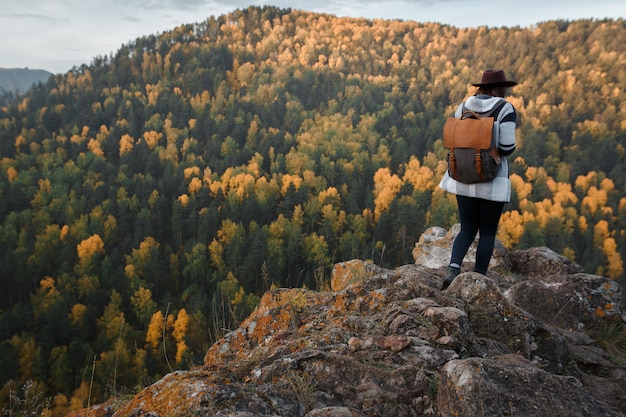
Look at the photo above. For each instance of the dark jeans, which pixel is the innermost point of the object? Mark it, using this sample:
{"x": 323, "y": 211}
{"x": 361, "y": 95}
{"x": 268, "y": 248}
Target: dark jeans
{"x": 477, "y": 215}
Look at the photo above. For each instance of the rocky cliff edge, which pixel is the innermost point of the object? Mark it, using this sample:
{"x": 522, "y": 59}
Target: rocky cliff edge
{"x": 537, "y": 337}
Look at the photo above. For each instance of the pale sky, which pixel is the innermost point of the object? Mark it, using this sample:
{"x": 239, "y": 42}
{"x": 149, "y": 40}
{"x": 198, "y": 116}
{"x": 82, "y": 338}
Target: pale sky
{"x": 56, "y": 35}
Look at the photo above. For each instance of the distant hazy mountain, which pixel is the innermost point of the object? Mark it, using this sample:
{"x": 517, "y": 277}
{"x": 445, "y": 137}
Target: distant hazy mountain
{"x": 21, "y": 79}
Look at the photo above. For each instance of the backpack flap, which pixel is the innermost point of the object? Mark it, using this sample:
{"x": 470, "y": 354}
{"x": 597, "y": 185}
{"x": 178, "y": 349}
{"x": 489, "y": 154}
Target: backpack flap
{"x": 468, "y": 132}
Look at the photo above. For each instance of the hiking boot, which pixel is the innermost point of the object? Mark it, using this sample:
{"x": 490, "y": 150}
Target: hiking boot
{"x": 449, "y": 277}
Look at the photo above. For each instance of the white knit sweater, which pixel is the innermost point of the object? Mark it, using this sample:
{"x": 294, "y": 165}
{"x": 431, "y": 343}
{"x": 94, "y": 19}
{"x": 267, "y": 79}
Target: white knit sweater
{"x": 498, "y": 189}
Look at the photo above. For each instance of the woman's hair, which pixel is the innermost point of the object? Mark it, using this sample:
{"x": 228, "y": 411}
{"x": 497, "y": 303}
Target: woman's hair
{"x": 492, "y": 90}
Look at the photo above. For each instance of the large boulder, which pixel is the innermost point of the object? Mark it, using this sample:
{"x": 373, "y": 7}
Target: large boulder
{"x": 509, "y": 385}
{"x": 434, "y": 248}
{"x": 541, "y": 262}
{"x": 573, "y": 302}
{"x": 351, "y": 272}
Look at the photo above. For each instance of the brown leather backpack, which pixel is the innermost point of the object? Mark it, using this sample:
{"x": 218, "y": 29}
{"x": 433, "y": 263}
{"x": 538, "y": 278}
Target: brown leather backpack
{"x": 473, "y": 155}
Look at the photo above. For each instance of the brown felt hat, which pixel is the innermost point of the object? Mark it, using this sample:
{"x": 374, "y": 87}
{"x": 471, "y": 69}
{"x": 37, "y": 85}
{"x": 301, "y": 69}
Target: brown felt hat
{"x": 494, "y": 78}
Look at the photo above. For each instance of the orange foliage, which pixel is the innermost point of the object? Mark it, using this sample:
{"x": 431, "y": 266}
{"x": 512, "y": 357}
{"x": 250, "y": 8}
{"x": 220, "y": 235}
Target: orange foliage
{"x": 386, "y": 186}
{"x": 421, "y": 177}
{"x": 179, "y": 333}
{"x": 89, "y": 247}
{"x": 94, "y": 147}
{"x": 194, "y": 185}
{"x": 595, "y": 199}
{"x": 154, "y": 334}
{"x": 152, "y": 138}
{"x": 522, "y": 188}
{"x": 126, "y": 144}
{"x": 511, "y": 228}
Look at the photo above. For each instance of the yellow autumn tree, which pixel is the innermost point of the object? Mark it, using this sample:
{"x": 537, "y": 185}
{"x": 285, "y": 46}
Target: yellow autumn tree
{"x": 46, "y": 296}
{"x": 287, "y": 181}
{"x": 583, "y": 182}
{"x": 154, "y": 334}
{"x": 126, "y": 144}
{"x": 595, "y": 199}
{"x": 216, "y": 255}
{"x": 180, "y": 331}
{"x": 614, "y": 263}
{"x": 602, "y": 239}
{"x": 19, "y": 141}
{"x": 330, "y": 196}
{"x": 191, "y": 172}
{"x": 511, "y": 228}
{"x": 241, "y": 184}
{"x": 421, "y": 177}
{"x": 194, "y": 185}
{"x": 152, "y": 138}
{"x": 386, "y": 186}
{"x": 562, "y": 193}
{"x": 184, "y": 199}
{"x": 94, "y": 147}
{"x": 12, "y": 174}
{"x": 77, "y": 313}
{"x": 89, "y": 247}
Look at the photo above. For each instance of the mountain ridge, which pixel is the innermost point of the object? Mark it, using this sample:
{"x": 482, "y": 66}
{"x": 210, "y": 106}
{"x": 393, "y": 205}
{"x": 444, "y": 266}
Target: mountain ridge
{"x": 14, "y": 80}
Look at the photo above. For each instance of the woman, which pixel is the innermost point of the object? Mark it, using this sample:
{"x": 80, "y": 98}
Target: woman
{"x": 481, "y": 204}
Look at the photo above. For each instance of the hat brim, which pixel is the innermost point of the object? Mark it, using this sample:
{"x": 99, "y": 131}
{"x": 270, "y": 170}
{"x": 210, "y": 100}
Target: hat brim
{"x": 497, "y": 84}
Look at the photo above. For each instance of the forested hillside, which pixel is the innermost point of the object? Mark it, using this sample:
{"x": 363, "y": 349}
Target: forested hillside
{"x": 149, "y": 198}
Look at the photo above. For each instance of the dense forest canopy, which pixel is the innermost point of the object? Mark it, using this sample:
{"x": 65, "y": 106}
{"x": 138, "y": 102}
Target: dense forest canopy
{"x": 148, "y": 199}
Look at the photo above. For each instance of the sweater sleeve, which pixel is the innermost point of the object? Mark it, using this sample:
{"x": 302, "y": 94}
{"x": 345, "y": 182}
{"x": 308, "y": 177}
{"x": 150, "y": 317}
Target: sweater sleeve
{"x": 508, "y": 122}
